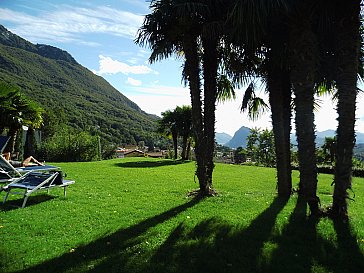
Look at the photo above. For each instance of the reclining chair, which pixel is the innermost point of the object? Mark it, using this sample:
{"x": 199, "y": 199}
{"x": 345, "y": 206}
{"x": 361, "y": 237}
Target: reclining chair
{"x": 28, "y": 180}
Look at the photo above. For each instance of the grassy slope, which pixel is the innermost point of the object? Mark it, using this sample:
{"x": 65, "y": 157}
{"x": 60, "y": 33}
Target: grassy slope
{"x": 132, "y": 215}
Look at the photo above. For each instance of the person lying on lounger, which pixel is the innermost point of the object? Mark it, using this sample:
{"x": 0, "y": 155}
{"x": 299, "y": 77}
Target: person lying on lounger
{"x": 29, "y": 161}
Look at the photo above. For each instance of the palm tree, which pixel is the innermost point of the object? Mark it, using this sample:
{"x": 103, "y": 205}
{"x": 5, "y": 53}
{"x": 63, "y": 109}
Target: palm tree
{"x": 17, "y": 111}
{"x": 329, "y": 149}
{"x": 262, "y": 35}
{"x": 184, "y": 127}
{"x": 168, "y": 126}
{"x": 303, "y": 63}
{"x": 347, "y": 48}
{"x": 194, "y": 27}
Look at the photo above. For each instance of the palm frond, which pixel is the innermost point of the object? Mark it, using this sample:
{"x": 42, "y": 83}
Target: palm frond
{"x": 225, "y": 89}
{"x": 249, "y": 94}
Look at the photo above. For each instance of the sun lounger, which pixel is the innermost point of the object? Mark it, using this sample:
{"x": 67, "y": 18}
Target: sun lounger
{"x": 28, "y": 180}
{"x": 32, "y": 182}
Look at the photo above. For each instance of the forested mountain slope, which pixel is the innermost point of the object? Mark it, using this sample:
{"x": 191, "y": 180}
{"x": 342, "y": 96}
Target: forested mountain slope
{"x": 70, "y": 92}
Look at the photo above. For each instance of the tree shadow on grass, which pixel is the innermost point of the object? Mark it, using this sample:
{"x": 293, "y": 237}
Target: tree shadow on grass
{"x": 216, "y": 246}
{"x": 301, "y": 249}
{"x": 150, "y": 163}
{"x": 33, "y": 200}
{"x": 121, "y": 246}
{"x": 347, "y": 257}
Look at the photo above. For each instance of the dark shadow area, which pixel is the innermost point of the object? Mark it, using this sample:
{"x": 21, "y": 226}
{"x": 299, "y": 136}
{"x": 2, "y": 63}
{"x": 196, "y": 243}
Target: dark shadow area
{"x": 348, "y": 256}
{"x": 297, "y": 245}
{"x": 120, "y": 246}
{"x": 150, "y": 164}
{"x": 301, "y": 249}
{"x": 216, "y": 246}
{"x": 16, "y": 204}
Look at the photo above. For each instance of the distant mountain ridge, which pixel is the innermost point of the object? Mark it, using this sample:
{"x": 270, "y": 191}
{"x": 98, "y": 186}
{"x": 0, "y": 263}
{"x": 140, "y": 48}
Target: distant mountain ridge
{"x": 9, "y": 39}
{"x": 67, "y": 90}
{"x": 240, "y": 137}
{"x": 222, "y": 138}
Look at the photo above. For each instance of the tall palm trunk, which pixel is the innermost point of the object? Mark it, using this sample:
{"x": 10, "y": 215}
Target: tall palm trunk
{"x": 30, "y": 142}
{"x": 280, "y": 96}
{"x": 303, "y": 67}
{"x": 13, "y": 134}
{"x": 175, "y": 142}
{"x": 347, "y": 49}
{"x": 192, "y": 69}
{"x": 280, "y": 103}
{"x": 210, "y": 66}
{"x": 184, "y": 147}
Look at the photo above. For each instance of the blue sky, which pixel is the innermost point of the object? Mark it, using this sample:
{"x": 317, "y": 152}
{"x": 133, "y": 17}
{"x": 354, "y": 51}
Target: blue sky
{"x": 99, "y": 34}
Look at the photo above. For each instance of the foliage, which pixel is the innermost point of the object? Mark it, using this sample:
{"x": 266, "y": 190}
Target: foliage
{"x": 327, "y": 152}
{"x": 240, "y": 155}
{"x": 260, "y": 147}
{"x": 72, "y": 95}
{"x": 67, "y": 145}
{"x": 16, "y": 110}
{"x": 132, "y": 215}
{"x": 176, "y": 124}
{"x": 254, "y": 105}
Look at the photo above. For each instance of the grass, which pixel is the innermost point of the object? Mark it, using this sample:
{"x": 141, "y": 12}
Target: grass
{"x": 133, "y": 215}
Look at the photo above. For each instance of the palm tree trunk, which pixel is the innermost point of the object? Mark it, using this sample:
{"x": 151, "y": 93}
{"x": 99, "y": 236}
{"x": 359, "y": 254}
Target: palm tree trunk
{"x": 184, "y": 147}
{"x": 13, "y": 133}
{"x": 280, "y": 103}
{"x": 347, "y": 49}
{"x": 175, "y": 144}
{"x": 192, "y": 69}
{"x": 29, "y": 146}
{"x": 210, "y": 66}
{"x": 303, "y": 67}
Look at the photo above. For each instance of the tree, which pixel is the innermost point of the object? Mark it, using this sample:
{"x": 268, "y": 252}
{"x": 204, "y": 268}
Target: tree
{"x": 303, "y": 63}
{"x": 239, "y": 155}
{"x": 251, "y": 145}
{"x": 329, "y": 149}
{"x": 261, "y": 28}
{"x": 196, "y": 28}
{"x": 347, "y": 48}
{"x": 260, "y": 147}
{"x": 177, "y": 123}
{"x": 266, "y": 148}
{"x": 17, "y": 111}
{"x": 168, "y": 126}
{"x": 184, "y": 127}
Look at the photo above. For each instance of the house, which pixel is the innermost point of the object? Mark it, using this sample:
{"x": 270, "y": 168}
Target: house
{"x": 134, "y": 153}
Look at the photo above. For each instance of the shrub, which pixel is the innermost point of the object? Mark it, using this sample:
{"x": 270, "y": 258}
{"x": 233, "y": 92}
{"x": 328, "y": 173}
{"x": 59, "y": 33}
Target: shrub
{"x": 70, "y": 146}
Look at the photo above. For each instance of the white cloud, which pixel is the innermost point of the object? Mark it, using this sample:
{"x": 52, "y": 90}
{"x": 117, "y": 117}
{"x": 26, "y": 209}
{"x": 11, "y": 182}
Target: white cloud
{"x": 110, "y": 66}
{"x": 66, "y": 23}
{"x": 157, "y": 99}
{"x": 133, "y": 82}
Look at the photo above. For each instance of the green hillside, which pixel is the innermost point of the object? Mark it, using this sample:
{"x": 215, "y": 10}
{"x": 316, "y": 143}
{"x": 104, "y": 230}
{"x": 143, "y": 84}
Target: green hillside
{"x": 70, "y": 92}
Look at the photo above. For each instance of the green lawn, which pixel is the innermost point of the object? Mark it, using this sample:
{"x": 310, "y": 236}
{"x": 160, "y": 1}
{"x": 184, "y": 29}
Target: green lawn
{"x": 133, "y": 215}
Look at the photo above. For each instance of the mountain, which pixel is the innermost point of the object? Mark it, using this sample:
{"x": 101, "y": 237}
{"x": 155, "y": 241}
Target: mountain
{"x": 320, "y": 137}
{"x": 239, "y": 138}
{"x": 359, "y": 137}
{"x": 326, "y": 133}
{"x": 222, "y": 138}
{"x": 68, "y": 91}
